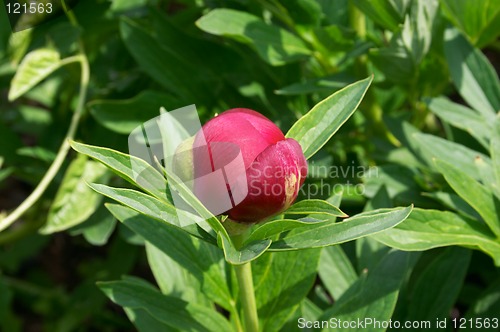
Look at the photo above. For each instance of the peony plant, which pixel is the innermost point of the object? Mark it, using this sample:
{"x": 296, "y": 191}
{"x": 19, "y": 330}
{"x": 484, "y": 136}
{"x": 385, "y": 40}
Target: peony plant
{"x": 255, "y": 156}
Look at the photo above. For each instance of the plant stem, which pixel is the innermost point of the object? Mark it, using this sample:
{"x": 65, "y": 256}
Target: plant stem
{"x": 63, "y": 150}
{"x": 373, "y": 111}
{"x": 247, "y": 296}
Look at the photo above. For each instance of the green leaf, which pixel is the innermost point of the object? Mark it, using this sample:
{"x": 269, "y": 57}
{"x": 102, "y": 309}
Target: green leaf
{"x": 170, "y": 310}
{"x": 388, "y": 14}
{"x": 155, "y": 59}
{"x": 336, "y": 271}
{"x": 479, "y": 20}
{"x": 328, "y": 233}
{"x": 374, "y": 294}
{"x": 154, "y": 208}
{"x": 75, "y": 201}
{"x": 275, "y": 45}
{"x": 323, "y": 84}
{"x": 37, "y": 152}
{"x": 315, "y": 206}
{"x": 462, "y": 117}
{"x": 430, "y": 147}
{"x": 473, "y": 75}
{"x": 35, "y": 67}
{"x": 119, "y": 6}
{"x": 123, "y": 116}
{"x": 282, "y": 281}
{"x": 202, "y": 260}
{"x": 304, "y": 12}
{"x": 368, "y": 251}
{"x": 495, "y": 155}
{"x": 398, "y": 180}
{"x": 4, "y": 173}
{"x": 394, "y": 62}
{"x": 486, "y": 173}
{"x": 250, "y": 251}
{"x": 172, "y": 278}
{"x": 488, "y": 303}
{"x": 98, "y": 227}
{"x": 435, "y": 291}
{"x": 315, "y": 128}
{"x": 271, "y": 228}
{"x": 416, "y": 35}
{"x": 144, "y": 322}
{"x": 150, "y": 180}
{"x": 454, "y": 202}
{"x": 474, "y": 193}
{"x": 427, "y": 229}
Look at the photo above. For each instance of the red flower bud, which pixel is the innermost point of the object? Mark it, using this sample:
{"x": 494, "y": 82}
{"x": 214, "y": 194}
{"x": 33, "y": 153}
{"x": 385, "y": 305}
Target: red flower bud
{"x": 262, "y": 169}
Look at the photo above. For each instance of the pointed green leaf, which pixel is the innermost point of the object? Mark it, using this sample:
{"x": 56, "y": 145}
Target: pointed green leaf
{"x": 317, "y": 126}
{"x": 157, "y": 59}
{"x": 368, "y": 251}
{"x": 315, "y": 206}
{"x": 462, "y": 117}
{"x": 150, "y": 180}
{"x": 479, "y": 19}
{"x": 145, "y": 322}
{"x": 97, "y": 228}
{"x": 430, "y": 147}
{"x": 154, "y": 208}
{"x": 427, "y": 229}
{"x": 474, "y": 193}
{"x": 204, "y": 261}
{"x": 488, "y": 303}
{"x": 472, "y": 74}
{"x": 374, "y": 294}
{"x": 123, "y": 116}
{"x": 250, "y": 251}
{"x": 435, "y": 291}
{"x": 174, "y": 279}
{"x": 389, "y": 14}
{"x": 454, "y": 202}
{"x": 75, "y": 201}
{"x": 167, "y": 309}
{"x": 495, "y": 155}
{"x": 328, "y": 233}
{"x": 275, "y": 45}
{"x": 35, "y": 67}
{"x": 282, "y": 280}
{"x": 336, "y": 271}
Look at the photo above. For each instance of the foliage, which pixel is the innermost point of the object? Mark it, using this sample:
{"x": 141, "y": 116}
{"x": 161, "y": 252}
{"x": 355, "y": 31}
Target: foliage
{"x": 395, "y": 104}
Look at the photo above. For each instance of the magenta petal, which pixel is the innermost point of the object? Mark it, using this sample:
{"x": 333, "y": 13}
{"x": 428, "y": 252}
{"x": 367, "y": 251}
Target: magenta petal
{"x": 266, "y": 128}
{"x": 246, "y": 129}
{"x": 273, "y": 182}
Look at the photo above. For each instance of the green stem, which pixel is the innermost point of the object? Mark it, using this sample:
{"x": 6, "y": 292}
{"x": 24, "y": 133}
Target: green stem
{"x": 236, "y": 317}
{"x": 63, "y": 150}
{"x": 247, "y": 296}
{"x": 373, "y": 111}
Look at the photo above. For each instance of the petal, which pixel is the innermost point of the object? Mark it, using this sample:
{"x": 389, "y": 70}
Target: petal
{"x": 272, "y": 181}
{"x": 248, "y": 130}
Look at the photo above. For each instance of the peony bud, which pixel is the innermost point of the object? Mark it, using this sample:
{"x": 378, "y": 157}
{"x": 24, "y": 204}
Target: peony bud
{"x": 262, "y": 169}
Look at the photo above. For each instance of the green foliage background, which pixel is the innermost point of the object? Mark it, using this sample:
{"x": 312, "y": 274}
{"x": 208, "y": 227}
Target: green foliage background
{"x": 427, "y": 132}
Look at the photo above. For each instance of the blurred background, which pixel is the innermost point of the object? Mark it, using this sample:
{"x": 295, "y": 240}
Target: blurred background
{"x": 279, "y": 58}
